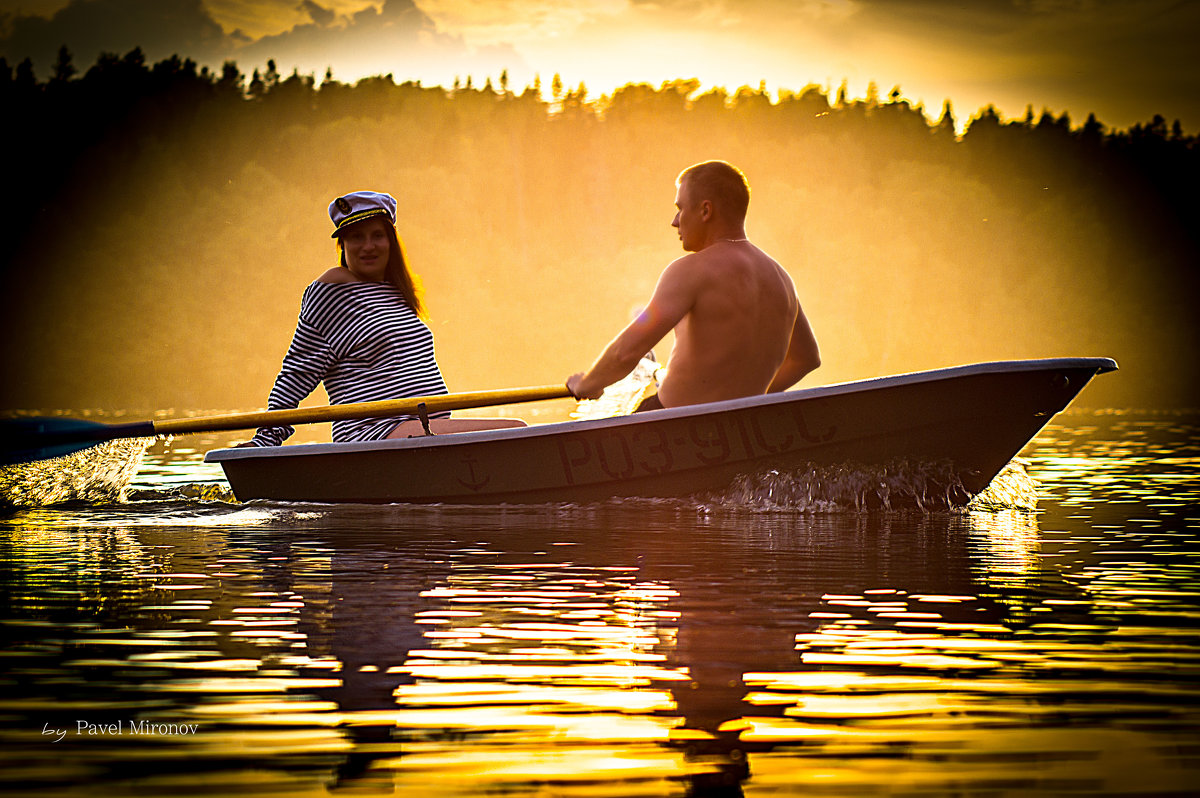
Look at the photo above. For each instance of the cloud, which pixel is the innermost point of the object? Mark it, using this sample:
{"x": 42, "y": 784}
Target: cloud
{"x": 397, "y": 38}
{"x": 1125, "y": 61}
{"x": 399, "y": 24}
{"x": 318, "y": 14}
{"x": 90, "y": 27}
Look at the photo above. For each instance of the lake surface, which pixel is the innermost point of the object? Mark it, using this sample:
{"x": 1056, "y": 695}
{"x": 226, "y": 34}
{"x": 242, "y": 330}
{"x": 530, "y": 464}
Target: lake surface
{"x": 182, "y": 643}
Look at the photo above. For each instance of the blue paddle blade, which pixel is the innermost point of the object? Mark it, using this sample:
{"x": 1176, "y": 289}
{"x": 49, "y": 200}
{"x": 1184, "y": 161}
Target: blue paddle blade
{"x": 23, "y": 440}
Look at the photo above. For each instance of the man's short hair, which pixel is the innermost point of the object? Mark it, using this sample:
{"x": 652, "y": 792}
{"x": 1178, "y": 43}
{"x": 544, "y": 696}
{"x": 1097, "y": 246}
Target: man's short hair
{"x": 720, "y": 182}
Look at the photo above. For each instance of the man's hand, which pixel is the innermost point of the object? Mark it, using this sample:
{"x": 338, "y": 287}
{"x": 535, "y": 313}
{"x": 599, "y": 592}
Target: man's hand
{"x": 574, "y": 383}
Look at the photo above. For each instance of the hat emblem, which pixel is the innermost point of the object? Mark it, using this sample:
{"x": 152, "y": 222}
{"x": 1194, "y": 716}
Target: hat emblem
{"x": 342, "y": 204}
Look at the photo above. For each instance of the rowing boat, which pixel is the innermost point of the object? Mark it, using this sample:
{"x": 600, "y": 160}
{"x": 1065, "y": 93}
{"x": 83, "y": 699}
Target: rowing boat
{"x": 969, "y": 420}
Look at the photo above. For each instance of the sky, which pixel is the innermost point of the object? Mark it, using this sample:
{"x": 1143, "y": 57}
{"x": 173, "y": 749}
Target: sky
{"x": 1124, "y": 60}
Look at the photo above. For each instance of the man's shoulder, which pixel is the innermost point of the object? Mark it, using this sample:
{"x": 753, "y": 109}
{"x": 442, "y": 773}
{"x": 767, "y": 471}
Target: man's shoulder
{"x": 695, "y": 263}
{"x": 717, "y": 261}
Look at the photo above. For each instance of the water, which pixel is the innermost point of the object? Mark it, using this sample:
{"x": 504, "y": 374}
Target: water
{"x": 181, "y": 643}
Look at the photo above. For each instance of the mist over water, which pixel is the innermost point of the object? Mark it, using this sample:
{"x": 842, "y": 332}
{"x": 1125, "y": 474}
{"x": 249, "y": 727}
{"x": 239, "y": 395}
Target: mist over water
{"x": 166, "y": 273}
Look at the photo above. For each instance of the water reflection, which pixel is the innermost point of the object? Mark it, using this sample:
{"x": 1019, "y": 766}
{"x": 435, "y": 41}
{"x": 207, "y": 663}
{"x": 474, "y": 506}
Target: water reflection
{"x": 641, "y": 649}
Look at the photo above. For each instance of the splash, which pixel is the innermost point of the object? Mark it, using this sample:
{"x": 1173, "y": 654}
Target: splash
{"x": 202, "y": 492}
{"x": 896, "y": 485}
{"x": 620, "y": 398}
{"x": 1014, "y": 488}
{"x": 95, "y": 475}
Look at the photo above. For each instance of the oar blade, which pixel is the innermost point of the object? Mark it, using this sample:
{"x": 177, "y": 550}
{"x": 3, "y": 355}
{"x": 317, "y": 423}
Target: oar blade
{"x": 24, "y": 440}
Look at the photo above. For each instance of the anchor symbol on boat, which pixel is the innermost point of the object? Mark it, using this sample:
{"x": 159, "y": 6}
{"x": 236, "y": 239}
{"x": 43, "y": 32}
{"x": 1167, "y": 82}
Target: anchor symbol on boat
{"x": 476, "y": 483}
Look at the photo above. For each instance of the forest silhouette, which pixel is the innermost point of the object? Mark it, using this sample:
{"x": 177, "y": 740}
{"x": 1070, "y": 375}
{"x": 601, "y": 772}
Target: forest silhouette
{"x": 164, "y": 218}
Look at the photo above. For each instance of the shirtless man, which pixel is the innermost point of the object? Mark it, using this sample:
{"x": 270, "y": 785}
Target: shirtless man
{"x": 739, "y": 328}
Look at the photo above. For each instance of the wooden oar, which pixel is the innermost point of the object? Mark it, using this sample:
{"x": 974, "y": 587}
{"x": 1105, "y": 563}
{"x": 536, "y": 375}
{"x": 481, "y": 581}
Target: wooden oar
{"x": 24, "y": 440}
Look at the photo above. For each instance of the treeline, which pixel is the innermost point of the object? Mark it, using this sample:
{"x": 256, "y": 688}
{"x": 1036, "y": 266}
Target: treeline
{"x": 73, "y": 130}
{"x": 162, "y": 219}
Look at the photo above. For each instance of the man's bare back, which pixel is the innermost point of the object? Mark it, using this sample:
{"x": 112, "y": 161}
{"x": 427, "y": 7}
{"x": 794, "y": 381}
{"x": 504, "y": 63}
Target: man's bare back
{"x": 734, "y": 336}
{"x": 739, "y": 327}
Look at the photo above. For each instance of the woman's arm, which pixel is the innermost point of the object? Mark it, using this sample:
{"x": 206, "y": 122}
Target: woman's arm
{"x": 306, "y": 363}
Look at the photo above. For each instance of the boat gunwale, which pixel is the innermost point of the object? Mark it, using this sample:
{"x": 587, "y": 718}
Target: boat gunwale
{"x": 1099, "y": 364}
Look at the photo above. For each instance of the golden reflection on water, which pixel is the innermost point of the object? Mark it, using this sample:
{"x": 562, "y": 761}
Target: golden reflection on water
{"x": 619, "y": 651}
{"x": 553, "y": 668}
{"x": 187, "y": 655}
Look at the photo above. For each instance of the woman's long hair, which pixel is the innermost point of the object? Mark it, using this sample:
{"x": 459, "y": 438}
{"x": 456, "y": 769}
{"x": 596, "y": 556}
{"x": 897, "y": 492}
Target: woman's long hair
{"x": 397, "y": 273}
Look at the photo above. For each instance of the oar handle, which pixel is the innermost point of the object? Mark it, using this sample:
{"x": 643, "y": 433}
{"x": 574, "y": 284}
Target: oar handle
{"x": 382, "y": 409}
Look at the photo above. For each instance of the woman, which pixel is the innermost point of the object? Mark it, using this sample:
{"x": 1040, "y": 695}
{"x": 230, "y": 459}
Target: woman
{"x": 362, "y": 332}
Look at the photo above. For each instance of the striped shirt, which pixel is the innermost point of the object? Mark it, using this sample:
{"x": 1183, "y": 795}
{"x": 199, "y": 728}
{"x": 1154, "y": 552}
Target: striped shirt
{"x": 366, "y": 343}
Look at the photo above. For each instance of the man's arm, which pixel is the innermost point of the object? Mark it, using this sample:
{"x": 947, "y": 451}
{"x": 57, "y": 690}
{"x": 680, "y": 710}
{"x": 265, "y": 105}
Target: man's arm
{"x": 802, "y": 356}
{"x": 673, "y": 298}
